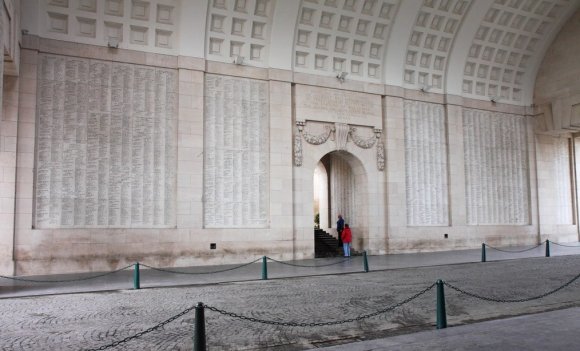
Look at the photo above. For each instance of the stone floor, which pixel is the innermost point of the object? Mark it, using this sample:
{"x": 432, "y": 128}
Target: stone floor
{"x": 556, "y": 330}
{"x": 150, "y": 278}
{"x": 90, "y": 320}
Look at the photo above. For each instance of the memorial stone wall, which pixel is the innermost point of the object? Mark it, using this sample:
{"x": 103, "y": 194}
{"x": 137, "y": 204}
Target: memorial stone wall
{"x": 236, "y": 156}
{"x": 496, "y": 168}
{"x": 105, "y": 144}
{"x": 562, "y": 177}
{"x": 426, "y": 164}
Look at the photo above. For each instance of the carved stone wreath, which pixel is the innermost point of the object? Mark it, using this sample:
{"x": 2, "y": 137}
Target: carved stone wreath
{"x": 360, "y": 142}
{"x": 322, "y": 138}
{"x": 317, "y": 139}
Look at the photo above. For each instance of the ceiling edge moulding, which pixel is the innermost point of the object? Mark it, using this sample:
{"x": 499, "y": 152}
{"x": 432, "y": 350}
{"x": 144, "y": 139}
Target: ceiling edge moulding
{"x": 150, "y": 26}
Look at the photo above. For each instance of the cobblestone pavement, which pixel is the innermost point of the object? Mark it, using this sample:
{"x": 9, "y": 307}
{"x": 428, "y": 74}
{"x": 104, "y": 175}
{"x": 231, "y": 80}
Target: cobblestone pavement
{"x": 554, "y": 330}
{"x": 90, "y": 320}
{"x": 202, "y": 275}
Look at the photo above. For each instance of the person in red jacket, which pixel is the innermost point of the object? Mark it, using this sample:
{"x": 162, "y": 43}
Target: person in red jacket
{"x": 346, "y": 240}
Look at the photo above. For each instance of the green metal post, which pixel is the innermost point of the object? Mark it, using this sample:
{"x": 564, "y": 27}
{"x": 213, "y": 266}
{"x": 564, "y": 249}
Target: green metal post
{"x": 199, "y": 332}
{"x": 483, "y": 252}
{"x": 365, "y": 261}
{"x": 441, "y": 314}
{"x": 547, "y": 248}
{"x": 136, "y": 278}
{"x": 264, "y": 268}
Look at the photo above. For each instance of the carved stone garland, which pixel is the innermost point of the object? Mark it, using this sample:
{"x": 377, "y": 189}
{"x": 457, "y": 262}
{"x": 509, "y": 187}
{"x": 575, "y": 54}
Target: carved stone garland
{"x": 342, "y": 131}
{"x": 360, "y": 142}
{"x": 317, "y": 139}
{"x": 380, "y": 150}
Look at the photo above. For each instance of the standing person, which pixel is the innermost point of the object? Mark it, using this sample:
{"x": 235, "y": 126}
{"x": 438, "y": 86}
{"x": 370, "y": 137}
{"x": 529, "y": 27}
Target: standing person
{"x": 346, "y": 240}
{"x": 339, "y": 229}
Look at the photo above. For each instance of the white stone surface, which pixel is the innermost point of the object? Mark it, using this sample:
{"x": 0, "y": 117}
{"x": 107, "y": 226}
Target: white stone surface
{"x": 236, "y": 129}
{"x": 240, "y": 29}
{"x": 496, "y": 168}
{"x": 557, "y": 217}
{"x": 375, "y": 201}
{"x": 332, "y": 105}
{"x": 139, "y": 25}
{"x": 105, "y": 154}
{"x": 426, "y": 169}
{"x": 431, "y": 40}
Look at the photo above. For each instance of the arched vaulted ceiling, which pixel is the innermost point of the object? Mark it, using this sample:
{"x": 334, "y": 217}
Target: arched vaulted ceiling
{"x": 472, "y": 48}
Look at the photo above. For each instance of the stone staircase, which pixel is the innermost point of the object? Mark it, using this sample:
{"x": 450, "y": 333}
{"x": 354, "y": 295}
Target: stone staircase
{"x": 326, "y": 245}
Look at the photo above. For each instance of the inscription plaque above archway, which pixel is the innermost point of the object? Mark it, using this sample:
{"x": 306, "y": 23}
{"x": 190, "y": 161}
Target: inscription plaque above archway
{"x": 333, "y": 105}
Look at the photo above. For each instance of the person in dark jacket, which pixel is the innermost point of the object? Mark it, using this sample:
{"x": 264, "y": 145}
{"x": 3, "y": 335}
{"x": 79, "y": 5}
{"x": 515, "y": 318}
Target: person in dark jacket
{"x": 339, "y": 228}
{"x": 346, "y": 240}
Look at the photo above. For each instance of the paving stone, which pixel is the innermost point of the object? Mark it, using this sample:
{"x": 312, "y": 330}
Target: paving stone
{"x": 90, "y": 320}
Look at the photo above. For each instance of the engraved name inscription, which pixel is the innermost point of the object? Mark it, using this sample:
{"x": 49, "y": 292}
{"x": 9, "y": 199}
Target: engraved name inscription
{"x": 426, "y": 164}
{"x": 236, "y": 163}
{"x": 105, "y": 144}
{"x": 496, "y": 168}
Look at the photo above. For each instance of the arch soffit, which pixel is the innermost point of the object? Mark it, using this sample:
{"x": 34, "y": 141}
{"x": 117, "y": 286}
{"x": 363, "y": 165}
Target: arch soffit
{"x": 465, "y": 73}
{"x": 355, "y": 158}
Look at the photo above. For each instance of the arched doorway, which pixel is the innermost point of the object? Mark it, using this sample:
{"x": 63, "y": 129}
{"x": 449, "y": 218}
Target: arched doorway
{"x": 339, "y": 187}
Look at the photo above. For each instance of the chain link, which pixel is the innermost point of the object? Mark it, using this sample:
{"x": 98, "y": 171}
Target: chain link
{"x": 308, "y": 266}
{"x": 320, "y": 324}
{"x": 65, "y": 280}
{"x": 493, "y": 299}
{"x": 193, "y": 273}
{"x": 516, "y": 251}
{"x": 129, "y": 338}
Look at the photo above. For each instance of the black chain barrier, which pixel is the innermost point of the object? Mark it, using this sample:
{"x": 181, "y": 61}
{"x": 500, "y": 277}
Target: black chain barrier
{"x": 308, "y": 266}
{"x": 493, "y": 299}
{"x": 194, "y": 273}
{"x": 129, "y": 338}
{"x": 256, "y": 320}
{"x": 64, "y": 280}
{"x": 516, "y": 251}
{"x": 320, "y": 324}
{"x": 551, "y": 242}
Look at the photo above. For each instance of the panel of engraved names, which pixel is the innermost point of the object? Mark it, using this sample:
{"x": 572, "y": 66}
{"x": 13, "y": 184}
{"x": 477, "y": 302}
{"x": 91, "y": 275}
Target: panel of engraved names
{"x": 106, "y": 153}
{"x": 236, "y": 163}
{"x": 496, "y": 168}
{"x": 561, "y": 172}
{"x": 426, "y": 164}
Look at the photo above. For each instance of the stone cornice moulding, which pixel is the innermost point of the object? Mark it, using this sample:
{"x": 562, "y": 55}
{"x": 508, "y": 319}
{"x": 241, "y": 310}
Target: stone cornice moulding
{"x": 90, "y": 51}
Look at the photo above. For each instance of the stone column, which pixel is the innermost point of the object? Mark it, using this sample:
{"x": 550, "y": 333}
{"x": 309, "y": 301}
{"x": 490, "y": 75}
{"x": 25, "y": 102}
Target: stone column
{"x": 395, "y": 175}
{"x": 190, "y": 151}
{"x": 8, "y": 138}
{"x": 281, "y": 157}
{"x": 458, "y": 215}
{"x": 24, "y": 237}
